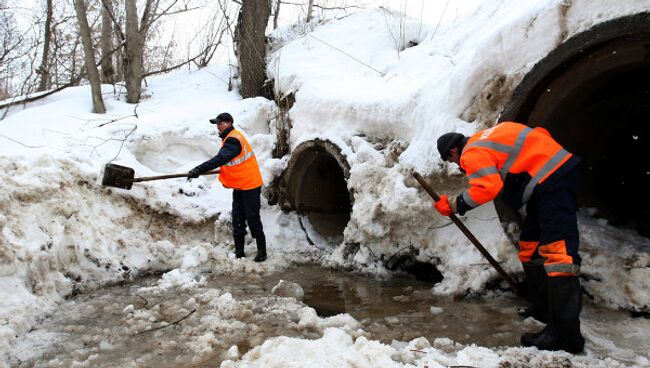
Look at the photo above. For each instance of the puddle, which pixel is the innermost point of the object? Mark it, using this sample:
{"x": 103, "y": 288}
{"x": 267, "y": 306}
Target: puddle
{"x": 403, "y": 308}
{"x": 144, "y": 325}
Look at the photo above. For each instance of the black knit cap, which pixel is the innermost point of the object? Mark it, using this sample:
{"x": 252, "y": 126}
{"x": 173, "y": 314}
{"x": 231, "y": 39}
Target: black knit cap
{"x": 448, "y": 141}
{"x": 224, "y": 116}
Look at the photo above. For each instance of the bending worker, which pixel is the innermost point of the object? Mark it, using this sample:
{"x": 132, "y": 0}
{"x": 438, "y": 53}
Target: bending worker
{"x": 239, "y": 171}
{"x": 527, "y": 166}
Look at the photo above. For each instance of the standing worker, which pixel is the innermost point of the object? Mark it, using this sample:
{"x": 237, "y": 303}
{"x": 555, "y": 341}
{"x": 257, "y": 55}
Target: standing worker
{"x": 527, "y": 166}
{"x": 240, "y": 172}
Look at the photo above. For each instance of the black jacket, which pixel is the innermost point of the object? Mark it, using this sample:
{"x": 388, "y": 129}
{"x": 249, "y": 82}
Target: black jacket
{"x": 228, "y": 151}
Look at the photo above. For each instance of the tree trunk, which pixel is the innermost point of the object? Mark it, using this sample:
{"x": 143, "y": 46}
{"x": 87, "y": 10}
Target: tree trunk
{"x": 108, "y": 71}
{"x": 44, "y": 69}
{"x": 250, "y": 46}
{"x": 276, "y": 14}
{"x": 133, "y": 54}
{"x": 309, "y": 10}
{"x": 89, "y": 57}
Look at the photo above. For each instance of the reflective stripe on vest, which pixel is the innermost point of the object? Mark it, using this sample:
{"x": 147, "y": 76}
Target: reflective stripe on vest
{"x": 470, "y": 202}
{"x": 562, "y": 267}
{"x": 243, "y": 171}
{"x": 483, "y": 172}
{"x": 547, "y": 168}
{"x": 513, "y": 152}
{"x": 238, "y": 161}
{"x": 247, "y": 154}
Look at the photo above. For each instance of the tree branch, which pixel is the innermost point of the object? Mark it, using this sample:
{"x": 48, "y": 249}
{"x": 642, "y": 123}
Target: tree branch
{"x": 167, "y": 325}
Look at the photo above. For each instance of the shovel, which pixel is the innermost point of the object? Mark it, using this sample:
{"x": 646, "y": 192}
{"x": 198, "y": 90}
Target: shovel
{"x": 123, "y": 177}
{"x": 468, "y": 234}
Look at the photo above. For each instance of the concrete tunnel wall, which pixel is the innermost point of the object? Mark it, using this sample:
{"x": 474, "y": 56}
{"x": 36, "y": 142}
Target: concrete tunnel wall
{"x": 593, "y": 94}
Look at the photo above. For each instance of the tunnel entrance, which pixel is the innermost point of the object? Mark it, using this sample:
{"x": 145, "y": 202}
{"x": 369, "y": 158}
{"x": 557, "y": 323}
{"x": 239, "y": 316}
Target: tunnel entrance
{"x": 593, "y": 94}
{"x": 314, "y": 184}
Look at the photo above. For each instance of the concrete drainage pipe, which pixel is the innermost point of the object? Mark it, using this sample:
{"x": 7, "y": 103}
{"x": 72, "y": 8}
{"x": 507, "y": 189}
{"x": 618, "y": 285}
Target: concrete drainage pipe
{"x": 315, "y": 184}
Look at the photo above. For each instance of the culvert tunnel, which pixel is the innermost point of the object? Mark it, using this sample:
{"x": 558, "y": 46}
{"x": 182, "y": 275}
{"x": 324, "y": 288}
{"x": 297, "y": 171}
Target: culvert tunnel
{"x": 593, "y": 94}
{"x": 314, "y": 184}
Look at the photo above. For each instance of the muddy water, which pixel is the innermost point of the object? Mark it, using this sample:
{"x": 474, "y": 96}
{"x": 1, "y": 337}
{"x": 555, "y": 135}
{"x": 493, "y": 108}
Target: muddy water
{"x": 145, "y": 325}
{"x": 402, "y": 308}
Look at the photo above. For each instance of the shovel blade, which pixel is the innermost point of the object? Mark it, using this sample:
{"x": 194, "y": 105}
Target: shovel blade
{"x": 117, "y": 176}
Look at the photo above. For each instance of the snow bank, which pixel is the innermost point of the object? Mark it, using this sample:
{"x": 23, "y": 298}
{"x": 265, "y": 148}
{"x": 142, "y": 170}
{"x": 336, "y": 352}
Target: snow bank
{"x": 338, "y": 349}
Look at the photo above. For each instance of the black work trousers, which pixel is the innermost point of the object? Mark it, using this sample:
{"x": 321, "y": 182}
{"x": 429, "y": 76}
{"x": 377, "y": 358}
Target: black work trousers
{"x": 246, "y": 210}
{"x": 550, "y": 229}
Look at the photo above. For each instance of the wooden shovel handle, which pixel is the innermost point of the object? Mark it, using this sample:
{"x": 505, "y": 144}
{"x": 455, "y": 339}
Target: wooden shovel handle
{"x": 170, "y": 176}
{"x": 468, "y": 234}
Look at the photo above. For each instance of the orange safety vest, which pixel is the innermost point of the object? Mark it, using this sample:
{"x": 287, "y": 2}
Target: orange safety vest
{"x": 242, "y": 172}
{"x": 509, "y": 149}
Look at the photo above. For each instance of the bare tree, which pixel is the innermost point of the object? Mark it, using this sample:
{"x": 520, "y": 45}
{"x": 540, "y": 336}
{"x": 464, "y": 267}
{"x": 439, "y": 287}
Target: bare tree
{"x": 10, "y": 42}
{"x": 250, "y": 46}
{"x": 44, "y": 69}
{"x": 108, "y": 71}
{"x": 134, "y": 45}
{"x": 89, "y": 57}
{"x": 276, "y": 13}
{"x": 310, "y": 7}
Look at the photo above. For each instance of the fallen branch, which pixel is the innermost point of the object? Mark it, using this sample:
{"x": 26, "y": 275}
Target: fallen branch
{"x": 38, "y": 97}
{"x": 167, "y": 325}
{"x": 22, "y": 144}
{"x": 146, "y": 302}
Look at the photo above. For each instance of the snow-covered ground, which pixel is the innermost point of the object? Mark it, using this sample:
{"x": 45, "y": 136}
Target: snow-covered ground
{"x": 357, "y": 83}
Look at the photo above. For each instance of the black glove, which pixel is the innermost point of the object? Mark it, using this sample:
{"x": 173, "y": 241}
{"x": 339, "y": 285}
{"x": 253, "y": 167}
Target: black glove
{"x": 194, "y": 173}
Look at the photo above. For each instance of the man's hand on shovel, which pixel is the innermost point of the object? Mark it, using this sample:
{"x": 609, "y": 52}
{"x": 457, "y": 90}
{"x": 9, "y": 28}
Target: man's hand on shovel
{"x": 443, "y": 202}
{"x": 445, "y": 206}
{"x": 193, "y": 174}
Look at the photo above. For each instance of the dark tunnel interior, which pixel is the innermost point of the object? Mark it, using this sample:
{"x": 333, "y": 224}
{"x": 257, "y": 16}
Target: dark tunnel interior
{"x": 316, "y": 186}
{"x": 324, "y": 196}
{"x": 595, "y": 100}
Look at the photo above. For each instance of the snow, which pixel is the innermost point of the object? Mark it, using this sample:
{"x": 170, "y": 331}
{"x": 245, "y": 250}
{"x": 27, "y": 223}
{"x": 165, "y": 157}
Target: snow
{"x": 356, "y": 83}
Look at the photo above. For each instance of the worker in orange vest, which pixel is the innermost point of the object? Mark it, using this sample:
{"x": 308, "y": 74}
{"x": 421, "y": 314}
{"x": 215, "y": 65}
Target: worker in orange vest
{"x": 240, "y": 172}
{"x": 527, "y": 166}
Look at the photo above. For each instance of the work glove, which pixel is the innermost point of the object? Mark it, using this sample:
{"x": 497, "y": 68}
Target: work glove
{"x": 445, "y": 206}
{"x": 194, "y": 173}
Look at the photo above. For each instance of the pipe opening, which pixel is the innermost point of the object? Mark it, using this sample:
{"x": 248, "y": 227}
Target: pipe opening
{"x": 593, "y": 94}
{"x": 315, "y": 185}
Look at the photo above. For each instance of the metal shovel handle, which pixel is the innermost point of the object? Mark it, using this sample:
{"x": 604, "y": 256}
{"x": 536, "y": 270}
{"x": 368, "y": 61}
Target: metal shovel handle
{"x": 169, "y": 176}
{"x": 468, "y": 234}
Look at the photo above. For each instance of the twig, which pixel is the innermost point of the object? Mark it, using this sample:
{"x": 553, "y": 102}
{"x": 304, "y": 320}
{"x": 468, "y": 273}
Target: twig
{"x": 444, "y": 10}
{"x": 22, "y": 144}
{"x": 325, "y": 7}
{"x": 114, "y": 120}
{"x": 345, "y": 53}
{"x": 146, "y": 302}
{"x": 167, "y": 325}
{"x": 483, "y": 264}
{"x": 123, "y": 141}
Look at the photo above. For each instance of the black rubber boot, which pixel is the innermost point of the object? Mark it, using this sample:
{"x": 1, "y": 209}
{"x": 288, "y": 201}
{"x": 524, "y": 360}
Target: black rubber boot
{"x": 261, "y": 249}
{"x": 546, "y": 339}
{"x": 566, "y": 296}
{"x": 563, "y": 330}
{"x": 239, "y": 246}
{"x": 536, "y": 280}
